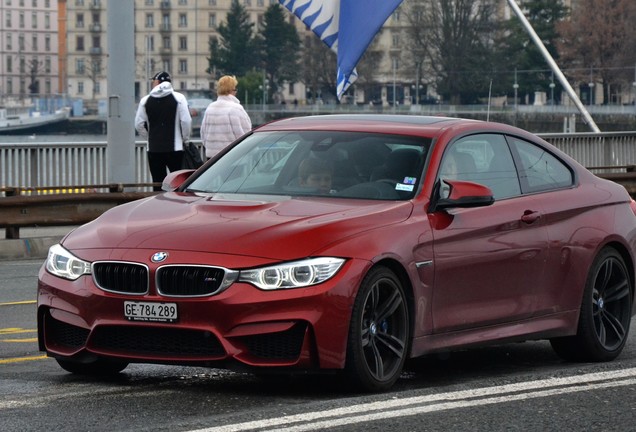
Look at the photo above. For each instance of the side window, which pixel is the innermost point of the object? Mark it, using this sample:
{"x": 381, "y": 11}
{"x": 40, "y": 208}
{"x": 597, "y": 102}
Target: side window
{"x": 539, "y": 170}
{"x": 485, "y": 159}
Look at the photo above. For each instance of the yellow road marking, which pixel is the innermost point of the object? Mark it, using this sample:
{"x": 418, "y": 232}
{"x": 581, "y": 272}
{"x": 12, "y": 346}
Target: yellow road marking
{"x": 20, "y": 340}
{"x": 22, "y": 359}
{"x": 18, "y": 303}
{"x": 15, "y": 330}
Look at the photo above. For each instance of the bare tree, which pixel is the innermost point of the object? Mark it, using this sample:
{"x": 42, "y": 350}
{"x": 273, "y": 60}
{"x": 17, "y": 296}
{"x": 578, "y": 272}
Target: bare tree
{"x": 597, "y": 43}
{"x": 35, "y": 67}
{"x": 452, "y": 40}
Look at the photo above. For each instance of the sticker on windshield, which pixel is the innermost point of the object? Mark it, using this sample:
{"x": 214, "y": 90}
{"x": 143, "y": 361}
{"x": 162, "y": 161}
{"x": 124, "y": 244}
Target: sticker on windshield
{"x": 408, "y": 184}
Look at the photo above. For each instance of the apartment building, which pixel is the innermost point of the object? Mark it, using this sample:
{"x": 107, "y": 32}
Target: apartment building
{"x": 171, "y": 35}
{"x": 28, "y": 49}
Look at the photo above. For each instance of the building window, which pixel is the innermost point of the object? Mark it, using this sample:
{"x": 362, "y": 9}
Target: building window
{"x": 183, "y": 20}
{"x": 79, "y": 43}
{"x": 150, "y": 20}
{"x": 150, "y": 2}
{"x": 166, "y": 65}
{"x": 21, "y": 42}
{"x": 97, "y": 88}
{"x": 9, "y": 42}
{"x": 47, "y": 64}
{"x": 8, "y": 19}
{"x": 34, "y": 42}
{"x": 80, "y": 66}
{"x": 212, "y": 2}
{"x": 9, "y": 64}
{"x": 34, "y": 20}
{"x": 22, "y": 65}
{"x": 183, "y": 43}
{"x": 212, "y": 20}
{"x": 248, "y": 3}
{"x": 166, "y": 42}
{"x": 47, "y": 86}
{"x": 47, "y": 21}
{"x": 395, "y": 40}
{"x": 47, "y": 43}
{"x": 150, "y": 43}
{"x": 9, "y": 86}
{"x": 183, "y": 2}
{"x": 21, "y": 22}
{"x": 183, "y": 66}
{"x": 97, "y": 42}
{"x": 80, "y": 87}
{"x": 79, "y": 20}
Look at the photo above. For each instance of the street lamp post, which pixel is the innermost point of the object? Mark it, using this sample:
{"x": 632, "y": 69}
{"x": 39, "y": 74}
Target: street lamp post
{"x": 515, "y": 86}
{"x": 552, "y": 85}
{"x": 591, "y": 84}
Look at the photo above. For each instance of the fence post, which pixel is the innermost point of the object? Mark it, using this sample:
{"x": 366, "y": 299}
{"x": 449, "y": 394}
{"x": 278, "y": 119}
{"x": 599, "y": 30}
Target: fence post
{"x": 12, "y": 232}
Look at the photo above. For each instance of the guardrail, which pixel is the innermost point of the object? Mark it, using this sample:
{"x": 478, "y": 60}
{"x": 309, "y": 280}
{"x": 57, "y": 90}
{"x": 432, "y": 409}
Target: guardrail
{"x": 33, "y": 207}
{"x": 25, "y": 207}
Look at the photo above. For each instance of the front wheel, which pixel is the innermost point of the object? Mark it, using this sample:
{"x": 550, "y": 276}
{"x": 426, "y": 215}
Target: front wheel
{"x": 605, "y": 314}
{"x": 379, "y": 333}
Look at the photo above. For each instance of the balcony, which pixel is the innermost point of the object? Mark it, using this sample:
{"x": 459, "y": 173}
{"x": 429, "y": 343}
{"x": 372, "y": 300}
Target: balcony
{"x": 96, "y": 51}
{"x": 165, "y": 27}
{"x": 95, "y": 5}
{"x": 95, "y": 27}
{"x": 165, "y": 52}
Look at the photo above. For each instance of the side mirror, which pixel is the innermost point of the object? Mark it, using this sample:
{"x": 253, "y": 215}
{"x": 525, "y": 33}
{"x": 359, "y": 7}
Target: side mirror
{"x": 464, "y": 194}
{"x": 175, "y": 179}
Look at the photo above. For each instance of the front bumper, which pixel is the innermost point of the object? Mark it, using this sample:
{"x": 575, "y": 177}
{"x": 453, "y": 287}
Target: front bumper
{"x": 300, "y": 328}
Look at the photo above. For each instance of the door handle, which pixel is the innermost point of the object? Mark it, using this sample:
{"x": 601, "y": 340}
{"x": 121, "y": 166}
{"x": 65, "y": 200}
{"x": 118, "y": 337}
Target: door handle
{"x": 530, "y": 216}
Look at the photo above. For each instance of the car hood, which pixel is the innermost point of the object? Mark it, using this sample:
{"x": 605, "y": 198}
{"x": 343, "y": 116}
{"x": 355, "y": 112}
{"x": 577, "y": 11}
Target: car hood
{"x": 269, "y": 227}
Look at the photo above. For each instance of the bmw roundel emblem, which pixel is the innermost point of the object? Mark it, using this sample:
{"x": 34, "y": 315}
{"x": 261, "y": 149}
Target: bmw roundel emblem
{"x": 159, "y": 257}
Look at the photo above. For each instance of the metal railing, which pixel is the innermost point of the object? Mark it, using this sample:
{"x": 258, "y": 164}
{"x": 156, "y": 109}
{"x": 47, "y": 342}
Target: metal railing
{"x": 61, "y": 164}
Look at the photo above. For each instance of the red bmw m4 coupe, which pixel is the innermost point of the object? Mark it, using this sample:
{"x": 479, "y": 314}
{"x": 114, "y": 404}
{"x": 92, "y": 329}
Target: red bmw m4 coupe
{"x": 349, "y": 244}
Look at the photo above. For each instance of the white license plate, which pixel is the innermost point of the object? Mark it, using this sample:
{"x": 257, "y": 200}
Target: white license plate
{"x": 150, "y": 311}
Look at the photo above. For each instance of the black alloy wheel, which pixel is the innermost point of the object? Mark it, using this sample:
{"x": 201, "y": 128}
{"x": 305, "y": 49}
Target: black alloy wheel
{"x": 379, "y": 332}
{"x": 605, "y": 312}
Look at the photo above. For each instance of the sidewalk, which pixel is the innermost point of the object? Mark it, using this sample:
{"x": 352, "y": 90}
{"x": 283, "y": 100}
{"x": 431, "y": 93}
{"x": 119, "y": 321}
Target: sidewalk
{"x": 33, "y": 243}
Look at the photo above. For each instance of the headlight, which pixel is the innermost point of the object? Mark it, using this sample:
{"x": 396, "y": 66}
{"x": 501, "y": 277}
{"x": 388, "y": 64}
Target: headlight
{"x": 62, "y": 263}
{"x": 296, "y": 274}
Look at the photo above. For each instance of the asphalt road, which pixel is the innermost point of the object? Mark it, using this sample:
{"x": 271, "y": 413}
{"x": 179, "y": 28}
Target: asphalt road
{"x": 517, "y": 387}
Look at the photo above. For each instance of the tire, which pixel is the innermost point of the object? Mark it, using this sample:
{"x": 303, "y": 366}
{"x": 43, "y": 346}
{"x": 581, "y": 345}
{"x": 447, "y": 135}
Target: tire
{"x": 379, "y": 333}
{"x": 99, "y": 367}
{"x": 605, "y": 314}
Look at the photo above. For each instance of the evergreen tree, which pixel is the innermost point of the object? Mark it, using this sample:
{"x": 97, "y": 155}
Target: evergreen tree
{"x": 280, "y": 47}
{"x": 521, "y": 53}
{"x": 233, "y": 54}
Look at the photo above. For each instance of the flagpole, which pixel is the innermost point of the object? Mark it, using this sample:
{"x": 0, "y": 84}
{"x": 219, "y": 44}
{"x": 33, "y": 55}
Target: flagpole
{"x": 555, "y": 68}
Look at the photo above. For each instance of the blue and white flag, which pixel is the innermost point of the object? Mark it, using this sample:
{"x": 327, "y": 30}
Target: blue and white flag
{"x": 345, "y": 26}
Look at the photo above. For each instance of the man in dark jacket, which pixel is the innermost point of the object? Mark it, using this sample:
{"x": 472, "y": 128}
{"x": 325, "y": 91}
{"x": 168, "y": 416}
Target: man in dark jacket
{"x": 164, "y": 119}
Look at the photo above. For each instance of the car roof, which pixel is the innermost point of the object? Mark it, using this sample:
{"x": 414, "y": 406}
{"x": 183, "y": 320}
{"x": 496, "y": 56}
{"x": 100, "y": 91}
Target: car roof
{"x": 377, "y": 123}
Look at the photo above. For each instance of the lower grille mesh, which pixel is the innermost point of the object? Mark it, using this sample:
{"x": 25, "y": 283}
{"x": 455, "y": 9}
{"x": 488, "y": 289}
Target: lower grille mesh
{"x": 156, "y": 341}
{"x": 277, "y": 346}
{"x": 65, "y": 335}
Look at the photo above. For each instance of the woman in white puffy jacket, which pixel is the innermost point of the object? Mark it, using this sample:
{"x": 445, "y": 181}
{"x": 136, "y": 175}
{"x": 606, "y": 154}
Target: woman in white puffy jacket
{"x": 225, "y": 119}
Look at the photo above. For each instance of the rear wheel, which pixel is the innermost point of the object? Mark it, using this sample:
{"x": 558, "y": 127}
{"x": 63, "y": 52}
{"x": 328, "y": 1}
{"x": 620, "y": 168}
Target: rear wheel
{"x": 99, "y": 367}
{"x": 379, "y": 332}
{"x": 605, "y": 312}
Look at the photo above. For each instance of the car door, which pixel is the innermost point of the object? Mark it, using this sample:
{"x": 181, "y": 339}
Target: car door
{"x": 567, "y": 218}
{"x": 489, "y": 260}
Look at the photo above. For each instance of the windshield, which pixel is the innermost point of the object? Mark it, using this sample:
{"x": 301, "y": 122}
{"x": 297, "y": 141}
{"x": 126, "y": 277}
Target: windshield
{"x": 319, "y": 163}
